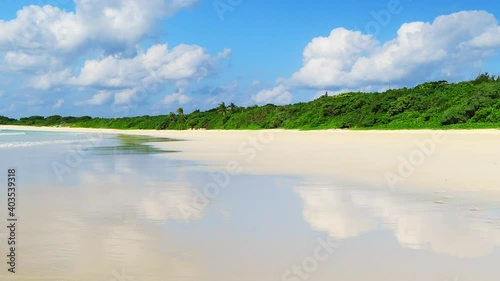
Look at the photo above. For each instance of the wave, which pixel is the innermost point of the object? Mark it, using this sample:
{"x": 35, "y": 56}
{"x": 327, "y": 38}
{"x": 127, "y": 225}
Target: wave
{"x": 39, "y": 143}
{"x": 12, "y": 134}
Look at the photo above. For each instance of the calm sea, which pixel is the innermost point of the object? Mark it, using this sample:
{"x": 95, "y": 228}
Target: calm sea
{"x": 115, "y": 208}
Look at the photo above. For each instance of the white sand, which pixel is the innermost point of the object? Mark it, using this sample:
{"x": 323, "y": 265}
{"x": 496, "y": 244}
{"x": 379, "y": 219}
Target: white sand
{"x": 462, "y": 160}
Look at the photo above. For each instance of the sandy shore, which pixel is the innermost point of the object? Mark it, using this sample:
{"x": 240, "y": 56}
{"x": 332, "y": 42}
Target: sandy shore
{"x": 428, "y": 160}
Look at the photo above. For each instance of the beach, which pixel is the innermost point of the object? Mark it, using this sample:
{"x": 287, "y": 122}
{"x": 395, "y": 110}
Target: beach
{"x": 93, "y": 204}
{"x": 426, "y": 160}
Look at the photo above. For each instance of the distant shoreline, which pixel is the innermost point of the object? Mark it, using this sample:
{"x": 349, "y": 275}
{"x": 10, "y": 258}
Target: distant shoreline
{"x": 113, "y": 130}
{"x": 420, "y": 160}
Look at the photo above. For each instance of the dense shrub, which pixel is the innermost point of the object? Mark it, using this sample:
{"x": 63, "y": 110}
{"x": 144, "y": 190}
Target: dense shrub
{"x": 430, "y": 105}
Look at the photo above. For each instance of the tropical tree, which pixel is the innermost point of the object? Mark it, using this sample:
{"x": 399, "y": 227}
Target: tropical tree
{"x": 222, "y": 109}
{"x": 232, "y": 108}
{"x": 180, "y": 111}
{"x": 171, "y": 116}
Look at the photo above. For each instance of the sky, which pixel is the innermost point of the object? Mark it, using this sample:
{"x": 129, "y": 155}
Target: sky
{"x": 116, "y": 58}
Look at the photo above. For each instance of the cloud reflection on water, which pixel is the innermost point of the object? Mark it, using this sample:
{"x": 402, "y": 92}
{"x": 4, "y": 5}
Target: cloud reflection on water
{"x": 453, "y": 228}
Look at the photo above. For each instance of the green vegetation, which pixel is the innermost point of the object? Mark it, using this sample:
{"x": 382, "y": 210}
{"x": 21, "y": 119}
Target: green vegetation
{"x": 471, "y": 104}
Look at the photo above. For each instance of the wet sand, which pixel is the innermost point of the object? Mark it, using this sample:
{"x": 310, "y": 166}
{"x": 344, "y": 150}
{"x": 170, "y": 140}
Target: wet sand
{"x": 378, "y": 206}
{"x": 426, "y": 160}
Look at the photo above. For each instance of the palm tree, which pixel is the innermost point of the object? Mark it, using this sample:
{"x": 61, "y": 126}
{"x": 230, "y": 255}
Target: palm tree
{"x": 232, "y": 108}
{"x": 180, "y": 111}
{"x": 222, "y": 109}
{"x": 171, "y": 115}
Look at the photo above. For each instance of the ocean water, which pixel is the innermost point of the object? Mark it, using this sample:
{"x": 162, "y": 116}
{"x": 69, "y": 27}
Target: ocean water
{"x": 114, "y": 208}
{"x": 24, "y": 139}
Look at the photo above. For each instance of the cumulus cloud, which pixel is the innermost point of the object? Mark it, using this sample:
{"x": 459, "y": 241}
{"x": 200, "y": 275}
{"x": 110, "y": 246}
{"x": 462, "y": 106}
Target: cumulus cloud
{"x": 125, "y": 96}
{"x": 278, "y": 95}
{"x": 178, "y": 97}
{"x": 48, "y": 44}
{"x": 107, "y": 23}
{"x": 48, "y": 80}
{"x": 40, "y": 28}
{"x": 98, "y": 99}
{"x": 22, "y": 61}
{"x": 489, "y": 39}
{"x": 157, "y": 65}
{"x": 443, "y": 49}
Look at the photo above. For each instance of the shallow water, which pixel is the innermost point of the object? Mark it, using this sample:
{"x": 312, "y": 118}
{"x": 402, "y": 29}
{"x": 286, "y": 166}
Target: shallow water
{"x": 87, "y": 215}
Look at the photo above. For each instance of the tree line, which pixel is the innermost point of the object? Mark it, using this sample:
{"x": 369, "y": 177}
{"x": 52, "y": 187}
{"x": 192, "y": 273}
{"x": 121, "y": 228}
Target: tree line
{"x": 439, "y": 104}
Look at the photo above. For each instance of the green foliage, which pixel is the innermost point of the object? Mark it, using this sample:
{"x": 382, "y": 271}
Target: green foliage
{"x": 473, "y": 104}
{"x": 222, "y": 109}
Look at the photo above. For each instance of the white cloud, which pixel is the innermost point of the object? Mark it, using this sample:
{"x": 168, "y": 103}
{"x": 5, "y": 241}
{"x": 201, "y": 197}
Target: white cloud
{"x": 125, "y": 20}
{"x": 58, "y": 104}
{"x": 107, "y": 23}
{"x": 125, "y": 96}
{"x": 489, "y": 39}
{"x": 98, "y": 99}
{"x": 178, "y": 97}
{"x": 278, "y": 95}
{"x": 48, "y": 80}
{"x": 40, "y": 28}
{"x": 446, "y": 48}
{"x": 49, "y": 40}
{"x": 46, "y": 45}
{"x": 155, "y": 66}
{"x": 17, "y": 60}
{"x": 225, "y": 53}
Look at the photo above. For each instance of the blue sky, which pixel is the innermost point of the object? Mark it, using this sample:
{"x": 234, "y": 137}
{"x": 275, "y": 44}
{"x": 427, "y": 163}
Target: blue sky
{"x": 114, "y": 58}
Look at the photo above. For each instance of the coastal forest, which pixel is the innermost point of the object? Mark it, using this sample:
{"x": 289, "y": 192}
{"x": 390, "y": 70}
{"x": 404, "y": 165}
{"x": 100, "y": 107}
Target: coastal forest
{"x": 431, "y": 105}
